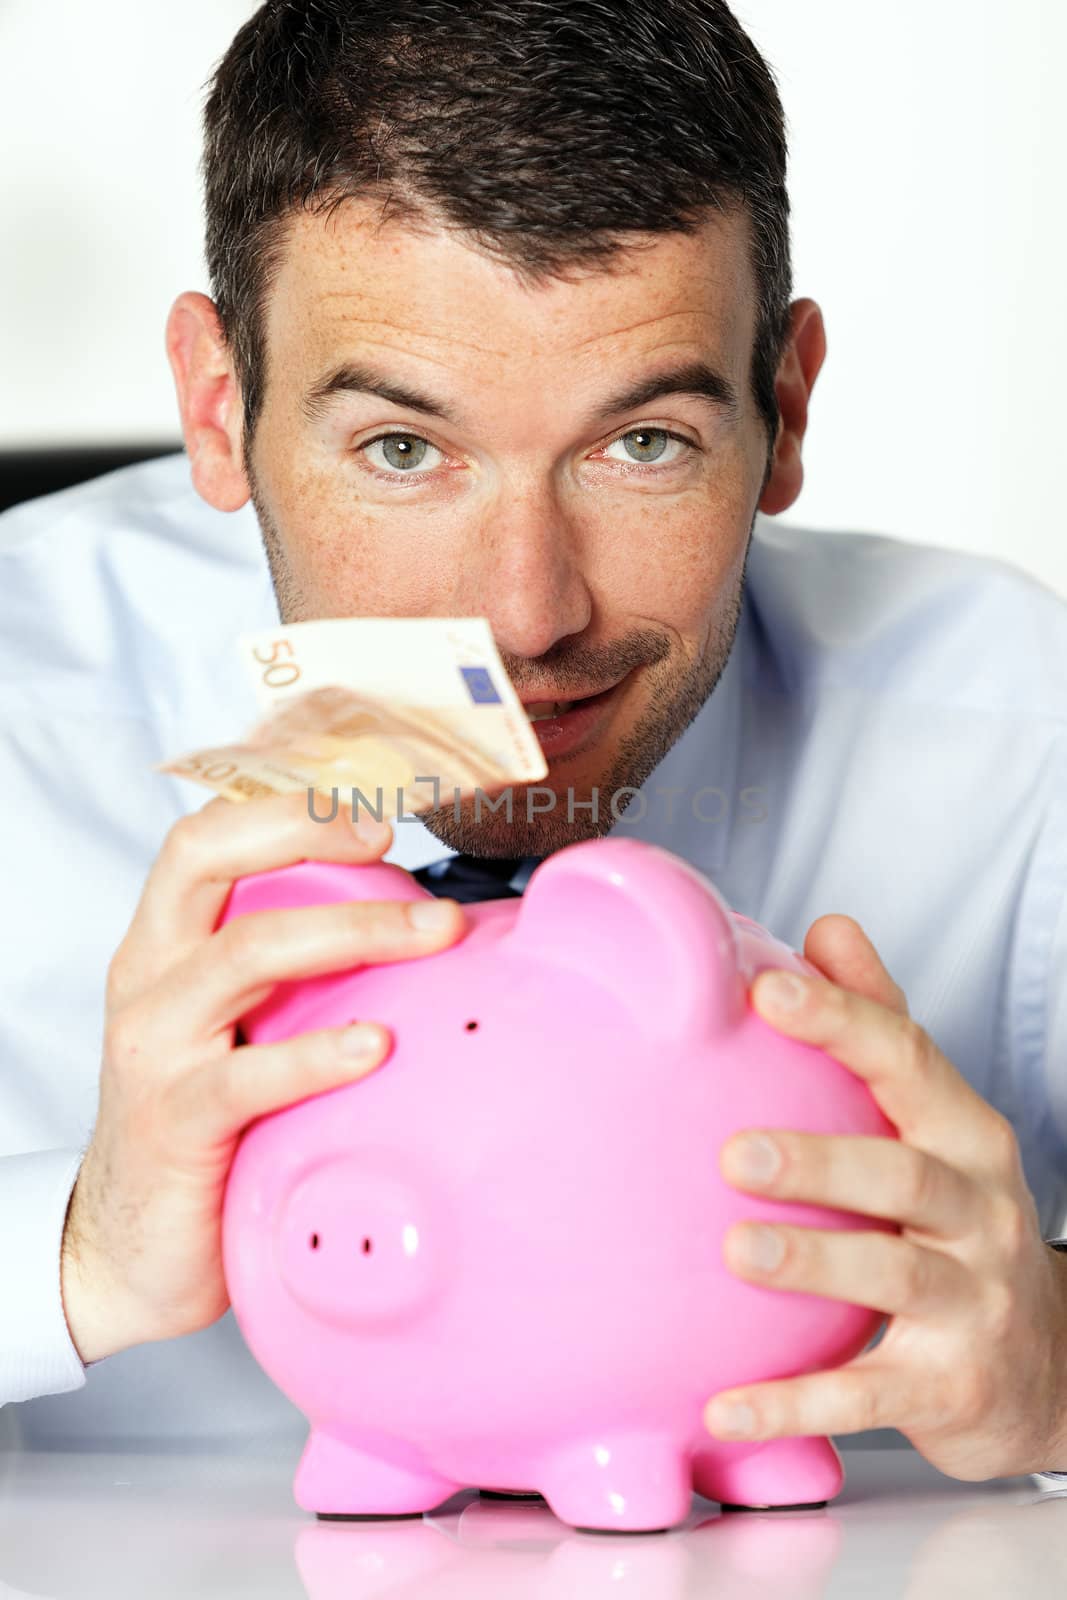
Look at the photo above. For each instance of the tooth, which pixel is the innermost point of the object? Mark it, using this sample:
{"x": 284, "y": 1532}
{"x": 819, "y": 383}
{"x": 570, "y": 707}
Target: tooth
{"x": 547, "y": 708}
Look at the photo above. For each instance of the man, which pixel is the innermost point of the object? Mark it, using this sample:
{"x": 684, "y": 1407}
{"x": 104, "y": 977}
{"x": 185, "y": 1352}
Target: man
{"x": 501, "y": 325}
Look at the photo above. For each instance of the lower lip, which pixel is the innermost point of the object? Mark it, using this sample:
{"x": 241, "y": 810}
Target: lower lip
{"x": 559, "y": 735}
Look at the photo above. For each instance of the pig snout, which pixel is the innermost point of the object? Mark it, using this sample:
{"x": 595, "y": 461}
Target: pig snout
{"x": 354, "y": 1246}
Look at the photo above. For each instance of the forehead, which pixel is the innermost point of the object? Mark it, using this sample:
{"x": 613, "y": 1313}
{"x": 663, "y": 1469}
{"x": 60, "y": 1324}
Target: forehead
{"x": 346, "y": 282}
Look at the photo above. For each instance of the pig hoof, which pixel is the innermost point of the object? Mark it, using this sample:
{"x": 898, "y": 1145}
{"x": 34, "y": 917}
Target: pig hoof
{"x": 615, "y": 1532}
{"x": 798, "y": 1474}
{"x": 367, "y": 1516}
{"x": 510, "y": 1494}
{"x": 801, "y": 1505}
{"x": 336, "y": 1478}
{"x": 634, "y": 1482}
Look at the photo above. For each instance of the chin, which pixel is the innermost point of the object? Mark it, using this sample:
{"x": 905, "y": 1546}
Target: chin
{"x": 537, "y": 834}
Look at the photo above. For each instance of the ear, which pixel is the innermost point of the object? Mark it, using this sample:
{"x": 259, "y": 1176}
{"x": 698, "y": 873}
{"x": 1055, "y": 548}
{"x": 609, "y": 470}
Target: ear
{"x": 644, "y": 923}
{"x": 209, "y": 401}
{"x": 319, "y": 883}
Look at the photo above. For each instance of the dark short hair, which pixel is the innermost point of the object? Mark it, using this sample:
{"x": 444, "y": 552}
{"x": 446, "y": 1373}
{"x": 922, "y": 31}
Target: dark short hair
{"x": 544, "y": 130}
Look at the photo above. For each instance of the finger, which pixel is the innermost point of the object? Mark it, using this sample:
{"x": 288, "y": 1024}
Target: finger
{"x": 838, "y": 946}
{"x": 874, "y": 1176}
{"x": 254, "y": 1080}
{"x": 844, "y": 1400}
{"x": 917, "y": 1087}
{"x": 879, "y": 1270}
{"x": 207, "y": 850}
{"x": 237, "y": 967}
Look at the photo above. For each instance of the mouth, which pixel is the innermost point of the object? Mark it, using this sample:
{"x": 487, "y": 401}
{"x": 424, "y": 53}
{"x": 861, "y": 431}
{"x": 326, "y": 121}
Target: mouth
{"x": 541, "y": 707}
{"x": 562, "y": 724}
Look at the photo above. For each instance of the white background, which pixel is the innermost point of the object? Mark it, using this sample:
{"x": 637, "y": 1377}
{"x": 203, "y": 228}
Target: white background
{"x": 927, "y": 157}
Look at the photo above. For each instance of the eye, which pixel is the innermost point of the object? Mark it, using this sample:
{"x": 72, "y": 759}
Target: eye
{"x": 401, "y": 452}
{"x": 650, "y": 445}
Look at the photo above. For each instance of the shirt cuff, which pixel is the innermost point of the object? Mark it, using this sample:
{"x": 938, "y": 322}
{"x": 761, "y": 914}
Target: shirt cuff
{"x": 37, "y": 1354}
{"x": 1056, "y": 1244}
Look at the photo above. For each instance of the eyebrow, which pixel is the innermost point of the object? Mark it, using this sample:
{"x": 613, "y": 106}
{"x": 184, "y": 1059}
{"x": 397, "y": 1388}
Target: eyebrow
{"x": 695, "y": 378}
{"x": 352, "y": 378}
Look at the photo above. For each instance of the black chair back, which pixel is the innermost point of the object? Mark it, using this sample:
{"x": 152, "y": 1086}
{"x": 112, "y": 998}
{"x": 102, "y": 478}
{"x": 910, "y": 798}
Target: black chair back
{"x": 25, "y": 474}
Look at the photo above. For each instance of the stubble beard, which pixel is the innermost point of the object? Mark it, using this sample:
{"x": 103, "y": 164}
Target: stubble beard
{"x": 639, "y": 751}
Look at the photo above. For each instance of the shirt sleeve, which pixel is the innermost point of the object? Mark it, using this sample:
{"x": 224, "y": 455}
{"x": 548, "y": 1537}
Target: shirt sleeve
{"x": 37, "y": 1354}
{"x": 1056, "y": 1035}
{"x": 1057, "y": 1006}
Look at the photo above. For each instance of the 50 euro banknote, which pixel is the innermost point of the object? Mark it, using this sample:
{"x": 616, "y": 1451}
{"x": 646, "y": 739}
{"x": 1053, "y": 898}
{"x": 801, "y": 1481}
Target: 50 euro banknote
{"x": 396, "y": 714}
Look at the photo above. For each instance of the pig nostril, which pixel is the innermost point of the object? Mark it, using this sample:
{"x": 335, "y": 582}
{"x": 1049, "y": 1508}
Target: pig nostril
{"x": 471, "y": 1026}
{"x": 366, "y": 1247}
{"x": 314, "y": 1241}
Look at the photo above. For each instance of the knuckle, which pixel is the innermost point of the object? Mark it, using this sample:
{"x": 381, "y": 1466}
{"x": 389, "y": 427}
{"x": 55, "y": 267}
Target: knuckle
{"x": 245, "y": 944}
{"x": 1001, "y": 1144}
{"x": 808, "y": 1161}
{"x": 1010, "y": 1227}
{"x": 381, "y": 922}
{"x": 971, "y": 1395}
{"x": 119, "y": 978}
{"x": 909, "y": 1272}
{"x": 915, "y": 1046}
{"x": 183, "y": 847}
{"x": 834, "y": 1004}
{"x": 866, "y": 1407}
{"x": 296, "y": 814}
{"x": 1000, "y": 1319}
{"x": 225, "y": 1090}
{"x": 915, "y": 1181}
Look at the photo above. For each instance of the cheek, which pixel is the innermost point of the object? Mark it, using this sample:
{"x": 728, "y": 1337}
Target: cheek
{"x": 350, "y": 557}
{"x": 356, "y": 565}
{"x": 671, "y": 558}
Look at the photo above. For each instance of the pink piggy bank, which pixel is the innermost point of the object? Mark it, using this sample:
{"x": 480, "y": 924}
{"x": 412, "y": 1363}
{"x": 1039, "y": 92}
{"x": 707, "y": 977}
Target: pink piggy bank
{"x": 497, "y": 1260}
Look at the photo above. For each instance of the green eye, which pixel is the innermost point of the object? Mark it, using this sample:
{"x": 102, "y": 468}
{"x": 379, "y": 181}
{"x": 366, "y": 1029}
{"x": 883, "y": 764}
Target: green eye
{"x": 403, "y": 450}
{"x": 400, "y": 452}
{"x": 645, "y": 444}
{"x": 651, "y": 444}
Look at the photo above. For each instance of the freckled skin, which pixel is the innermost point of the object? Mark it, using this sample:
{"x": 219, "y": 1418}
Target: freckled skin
{"x": 588, "y": 563}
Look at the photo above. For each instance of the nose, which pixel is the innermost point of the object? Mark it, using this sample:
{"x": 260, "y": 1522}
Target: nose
{"x": 528, "y": 574}
{"x": 354, "y": 1245}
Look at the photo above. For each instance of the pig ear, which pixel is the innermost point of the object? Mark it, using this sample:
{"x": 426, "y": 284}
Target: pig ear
{"x": 319, "y": 883}
{"x": 641, "y": 921}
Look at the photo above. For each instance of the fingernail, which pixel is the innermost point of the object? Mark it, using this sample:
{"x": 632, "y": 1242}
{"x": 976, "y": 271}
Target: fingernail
{"x": 370, "y": 831}
{"x": 761, "y": 1247}
{"x": 429, "y": 916}
{"x": 755, "y": 1159}
{"x": 728, "y": 1416}
{"x": 360, "y": 1040}
{"x": 784, "y": 990}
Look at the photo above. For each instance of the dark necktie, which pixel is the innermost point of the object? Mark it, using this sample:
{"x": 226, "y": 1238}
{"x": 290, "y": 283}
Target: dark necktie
{"x": 469, "y": 878}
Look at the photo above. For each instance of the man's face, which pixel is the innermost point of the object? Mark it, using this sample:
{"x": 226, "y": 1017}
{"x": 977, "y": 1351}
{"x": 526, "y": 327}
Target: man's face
{"x": 604, "y": 540}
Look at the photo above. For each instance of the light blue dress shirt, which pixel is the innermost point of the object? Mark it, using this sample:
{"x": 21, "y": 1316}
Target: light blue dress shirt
{"x": 889, "y": 739}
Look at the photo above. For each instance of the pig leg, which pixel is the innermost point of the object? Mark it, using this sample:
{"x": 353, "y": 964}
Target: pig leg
{"x": 336, "y": 1478}
{"x": 630, "y": 1483}
{"x": 779, "y": 1473}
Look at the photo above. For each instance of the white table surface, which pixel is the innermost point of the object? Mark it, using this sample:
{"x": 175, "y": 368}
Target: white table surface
{"x": 104, "y": 1526}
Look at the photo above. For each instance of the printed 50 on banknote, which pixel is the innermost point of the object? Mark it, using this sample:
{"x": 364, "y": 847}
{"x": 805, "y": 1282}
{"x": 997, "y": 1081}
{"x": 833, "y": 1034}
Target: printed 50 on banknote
{"x": 399, "y": 713}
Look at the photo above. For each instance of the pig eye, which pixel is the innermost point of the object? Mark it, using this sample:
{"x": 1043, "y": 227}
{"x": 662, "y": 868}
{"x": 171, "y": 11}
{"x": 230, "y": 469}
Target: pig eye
{"x": 314, "y": 1241}
{"x": 471, "y": 1026}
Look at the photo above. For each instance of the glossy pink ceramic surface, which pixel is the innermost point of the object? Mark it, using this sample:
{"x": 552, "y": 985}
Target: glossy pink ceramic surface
{"x": 497, "y": 1260}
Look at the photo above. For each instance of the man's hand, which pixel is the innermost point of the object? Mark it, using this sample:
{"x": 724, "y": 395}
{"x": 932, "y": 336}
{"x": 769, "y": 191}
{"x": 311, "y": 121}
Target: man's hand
{"x": 972, "y": 1366}
{"x": 142, "y": 1246}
